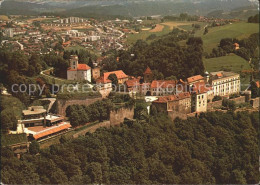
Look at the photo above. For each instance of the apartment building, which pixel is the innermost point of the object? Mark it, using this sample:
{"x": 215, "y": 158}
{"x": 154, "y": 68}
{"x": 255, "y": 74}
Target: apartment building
{"x": 224, "y": 83}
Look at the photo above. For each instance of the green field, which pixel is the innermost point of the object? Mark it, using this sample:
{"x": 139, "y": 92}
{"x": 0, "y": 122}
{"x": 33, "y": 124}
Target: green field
{"x": 231, "y": 62}
{"x": 132, "y": 38}
{"x": 236, "y": 30}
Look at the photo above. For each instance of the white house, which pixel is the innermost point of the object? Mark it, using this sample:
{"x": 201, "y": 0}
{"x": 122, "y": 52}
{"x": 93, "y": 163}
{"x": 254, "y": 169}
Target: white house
{"x": 79, "y": 72}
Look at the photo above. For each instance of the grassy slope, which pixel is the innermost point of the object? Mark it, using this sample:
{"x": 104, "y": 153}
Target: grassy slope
{"x": 237, "y": 30}
{"x": 232, "y": 62}
{"x": 132, "y": 38}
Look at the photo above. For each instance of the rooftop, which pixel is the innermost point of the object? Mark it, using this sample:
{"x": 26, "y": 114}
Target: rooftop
{"x": 222, "y": 74}
{"x": 119, "y": 74}
{"x": 34, "y": 110}
{"x": 165, "y": 99}
{"x": 163, "y": 84}
{"x": 195, "y": 78}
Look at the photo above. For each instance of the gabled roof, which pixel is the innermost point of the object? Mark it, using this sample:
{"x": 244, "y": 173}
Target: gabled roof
{"x": 119, "y": 74}
{"x": 257, "y": 84}
{"x": 163, "y": 83}
{"x": 194, "y": 78}
{"x": 148, "y": 71}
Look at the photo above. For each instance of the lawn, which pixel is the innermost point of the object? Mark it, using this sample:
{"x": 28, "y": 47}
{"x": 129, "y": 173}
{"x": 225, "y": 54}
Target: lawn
{"x": 132, "y": 38}
{"x": 236, "y": 30}
{"x": 231, "y": 62}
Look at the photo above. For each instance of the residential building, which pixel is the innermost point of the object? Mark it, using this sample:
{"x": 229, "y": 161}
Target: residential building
{"x": 96, "y": 73}
{"x": 180, "y": 103}
{"x": 224, "y": 83}
{"x": 121, "y": 76}
{"x": 199, "y": 97}
{"x": 79, "y": 72}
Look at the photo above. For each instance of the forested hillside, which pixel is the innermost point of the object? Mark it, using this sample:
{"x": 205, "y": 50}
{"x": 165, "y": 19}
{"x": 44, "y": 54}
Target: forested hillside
{"x": 217, "y": 148}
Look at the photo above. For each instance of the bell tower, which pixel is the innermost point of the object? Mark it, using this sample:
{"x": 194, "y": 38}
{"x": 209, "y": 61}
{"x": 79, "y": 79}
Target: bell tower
{"x": 74, "y": 61}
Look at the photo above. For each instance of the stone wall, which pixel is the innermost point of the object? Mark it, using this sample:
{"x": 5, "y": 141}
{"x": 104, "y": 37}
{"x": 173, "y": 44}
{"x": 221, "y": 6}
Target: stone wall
{"x": 255, "y": 102}
{"x": 218, "y": 104}
{"x": 214, "y": 105}
{"x": 173, "y": 115}
{"x": 118, "y": 116}
{"x": 63, "y": 104}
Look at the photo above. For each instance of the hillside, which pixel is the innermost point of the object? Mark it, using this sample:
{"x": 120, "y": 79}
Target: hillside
{"x": 123, "y": 7}
{"x": 237, "y": 30}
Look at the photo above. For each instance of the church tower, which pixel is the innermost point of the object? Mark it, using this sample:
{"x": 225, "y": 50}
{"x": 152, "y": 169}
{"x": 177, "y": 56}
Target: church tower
{"x": 148, "y": 75}
{"x": 74, "y": 61}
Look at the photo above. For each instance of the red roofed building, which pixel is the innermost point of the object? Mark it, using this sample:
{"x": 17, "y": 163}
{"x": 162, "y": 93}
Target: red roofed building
{"x": 180, "y": 103}
{"x": 199, "y": 98}
{"x": 163, "y": 87}
{"x": 195, "y": 79}
{"x": 79, "y": 72}
{"x": 121, "y": 76}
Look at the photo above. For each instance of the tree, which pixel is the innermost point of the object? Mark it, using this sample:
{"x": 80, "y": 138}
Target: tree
{"x": 34, "y": 147}
{"x": 206, "y": 31}
{"x": 254, "y": 89}
{"x": 114, "y": 79}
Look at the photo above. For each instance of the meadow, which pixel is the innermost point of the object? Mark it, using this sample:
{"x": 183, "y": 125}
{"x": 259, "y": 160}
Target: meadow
{"x": 235, "y": 30}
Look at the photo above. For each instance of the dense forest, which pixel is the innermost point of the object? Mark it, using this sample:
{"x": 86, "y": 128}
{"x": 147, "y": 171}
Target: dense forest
{"x": 216, "y": 148}
{"x": 164, "y": 56}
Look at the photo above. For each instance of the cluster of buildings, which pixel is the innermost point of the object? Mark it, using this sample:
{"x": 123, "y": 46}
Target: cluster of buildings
{"x": 191, "y": 95}
{"x": 37, "y": 124}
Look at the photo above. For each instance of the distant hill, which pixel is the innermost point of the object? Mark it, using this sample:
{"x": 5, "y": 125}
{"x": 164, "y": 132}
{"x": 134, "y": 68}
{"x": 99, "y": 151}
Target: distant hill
{"x": 239, "y": 13}
{"x": 131, "y": 8}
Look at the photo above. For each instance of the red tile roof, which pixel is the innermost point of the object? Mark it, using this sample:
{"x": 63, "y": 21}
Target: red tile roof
{"x": 194, "y": 78}
{"x": 148, "y": 71}
{"x": 165, "y": 99}
{"x": 81, "y": 67}
{"x": 119, "y": 74}
{"x": 103, "y": 81}
{"x": 201, "y": 87}
{"x": 163, "y": 84}
{"x": 257, "y": 84}
{"x": 52, "y": 130}
{"x": 132, "y": 82}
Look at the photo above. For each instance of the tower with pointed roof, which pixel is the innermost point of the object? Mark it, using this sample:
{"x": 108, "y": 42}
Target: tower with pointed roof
{"x": 148, "y": 75}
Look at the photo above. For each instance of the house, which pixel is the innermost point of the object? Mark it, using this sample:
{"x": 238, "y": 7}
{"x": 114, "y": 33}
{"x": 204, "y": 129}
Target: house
{"x": 180, "y": 103}
{"x": 199, "y": 97}
{"x": 194, "y": 79}
{"x": 121, "y": 76}
{"x": 236, "y": 45}
{"x": 79, "y": 72}
{"x": 104, "y": 84}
